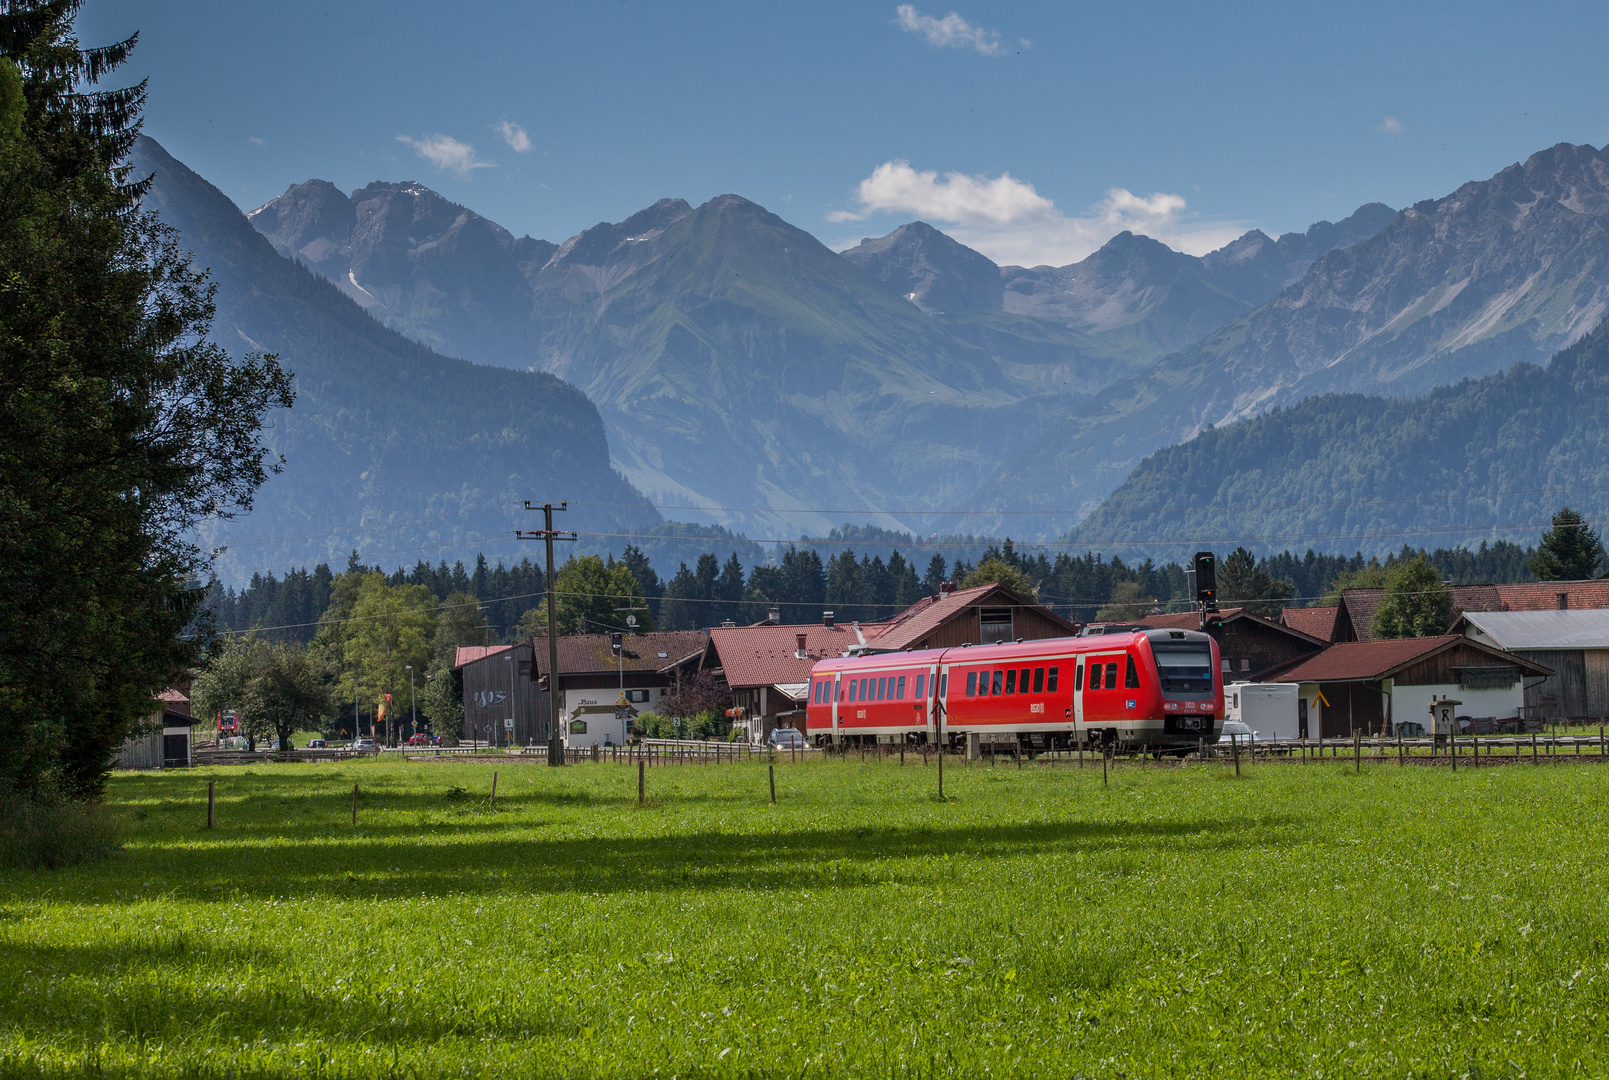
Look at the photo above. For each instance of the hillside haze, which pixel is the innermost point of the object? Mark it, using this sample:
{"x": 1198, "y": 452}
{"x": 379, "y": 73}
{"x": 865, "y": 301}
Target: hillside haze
{"x": 1351, "y": 471}
{"x": 390, "y": 448}
{"x": 1508, "y": 269}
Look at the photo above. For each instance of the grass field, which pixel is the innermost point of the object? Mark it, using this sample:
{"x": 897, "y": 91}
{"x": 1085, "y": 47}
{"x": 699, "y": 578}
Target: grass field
{"x": 1299, "y": 921}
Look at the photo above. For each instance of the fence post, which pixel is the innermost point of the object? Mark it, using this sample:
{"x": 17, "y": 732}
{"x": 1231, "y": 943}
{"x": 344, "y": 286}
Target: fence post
{"x": 1234, "y": 749}
{"x": 1534, "y": 760}
{"x": 1105, "y": 780}
{"x": 1452, "y": 746}
{"x": 494, "y": 783}
{"x": 1401, "y": 760}
{"x": 1357, "y": 751}
{"x": 640, "y": 766}
{"x": 354, "y": 804}
{"x": 772, "y": 770}
{"x": 210, "y": 788}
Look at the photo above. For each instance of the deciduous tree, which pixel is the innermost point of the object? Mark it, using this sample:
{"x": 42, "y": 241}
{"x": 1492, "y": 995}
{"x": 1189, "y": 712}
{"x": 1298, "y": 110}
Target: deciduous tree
{"x": 1415, "y": 604}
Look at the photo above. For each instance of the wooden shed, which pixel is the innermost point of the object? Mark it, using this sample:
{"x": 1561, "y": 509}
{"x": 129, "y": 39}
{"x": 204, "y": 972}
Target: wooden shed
{"x": 1573, "y": 642}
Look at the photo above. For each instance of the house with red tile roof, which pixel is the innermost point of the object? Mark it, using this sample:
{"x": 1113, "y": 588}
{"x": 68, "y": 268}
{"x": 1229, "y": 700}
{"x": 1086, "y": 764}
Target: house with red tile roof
{"x": 768, "y": 665}
{"x": 602, "y": 692}
{"x": 1385, "y": 685}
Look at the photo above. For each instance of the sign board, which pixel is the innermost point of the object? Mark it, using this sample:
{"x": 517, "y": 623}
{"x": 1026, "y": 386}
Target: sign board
{"x": 508, "y": 723}
{"x": 578, "y": 727}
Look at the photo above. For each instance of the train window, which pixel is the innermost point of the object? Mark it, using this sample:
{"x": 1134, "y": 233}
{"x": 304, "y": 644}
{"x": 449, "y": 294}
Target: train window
{"x": 1131, "y": 678}
{"x": 1039, "y": 680}
{"x": 972, "y": 684}
{"x": 920, "y": 680}
{"x": 1050, "y": 683}
{"x": 901, "y": 695}
{"x": 1078, "y": 678}
{"x": 1011, "y": 681}
{"x": 877, "y": 689}
{"x": 1111, "y": 675}
{"x": 851, "y": 689}
{"x": 983, "y": 684}
{"x": 944, "y": 683}
{"x": 998, "y": 676}
{"x": 1022, "y": 681}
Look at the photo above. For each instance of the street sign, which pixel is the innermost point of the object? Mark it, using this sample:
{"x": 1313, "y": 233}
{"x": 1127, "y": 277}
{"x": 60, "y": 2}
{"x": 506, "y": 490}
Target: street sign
{"x": 508, "y": 723}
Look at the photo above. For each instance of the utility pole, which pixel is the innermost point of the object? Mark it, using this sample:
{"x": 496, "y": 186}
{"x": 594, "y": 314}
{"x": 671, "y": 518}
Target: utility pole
{"x": 555, "y": 737}
{"x": 413, "y": 703}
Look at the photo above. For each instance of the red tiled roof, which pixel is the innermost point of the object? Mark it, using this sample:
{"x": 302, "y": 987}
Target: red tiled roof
{"x": 1544, "y": 595}
{"x": 468, "y": 654}
{"x": 1316, "y": 622}
{"x": 1190, "y": 620}
{"x": 916, "y": 622}
{"x": 1363, "y": 660}
{"x": 764, "y": 655}
{"x": 1366, "y": 661}
{"x": 581, "y": 654}
{"x": 175, "y": 701}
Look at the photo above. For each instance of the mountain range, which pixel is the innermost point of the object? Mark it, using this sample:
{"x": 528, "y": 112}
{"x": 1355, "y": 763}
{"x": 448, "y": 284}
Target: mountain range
{"x": 1484, "y": 459}
{"x": 390, "y": 448}
{"x": 1502, "y": 270}
{"x": 739, "y": 363}
{"x": 734, "y": 368}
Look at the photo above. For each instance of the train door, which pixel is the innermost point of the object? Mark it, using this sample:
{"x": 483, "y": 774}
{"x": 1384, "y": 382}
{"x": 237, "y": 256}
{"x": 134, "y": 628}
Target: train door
{"x": 1100, "y": 688}
{"x": 836, "y": 690}
{"x": 1078, "y": 696}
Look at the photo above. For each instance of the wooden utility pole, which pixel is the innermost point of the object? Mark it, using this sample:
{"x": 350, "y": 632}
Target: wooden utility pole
{"x": 546, "y": 533}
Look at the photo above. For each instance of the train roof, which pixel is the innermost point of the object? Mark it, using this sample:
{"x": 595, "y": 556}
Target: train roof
{"x": 983, "y": 654}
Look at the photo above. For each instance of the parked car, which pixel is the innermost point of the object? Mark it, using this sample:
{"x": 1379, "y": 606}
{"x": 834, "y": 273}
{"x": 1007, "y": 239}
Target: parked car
{"x": 316, "y": 744}
{"x": 363, "y": 745}
{"x": 420, "y": 739}
{"x": 1239, "y": 729}
{"x": 786, "y": 738}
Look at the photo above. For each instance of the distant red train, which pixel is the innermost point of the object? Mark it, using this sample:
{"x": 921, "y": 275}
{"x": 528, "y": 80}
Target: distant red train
{"x": 1148, "y": 690}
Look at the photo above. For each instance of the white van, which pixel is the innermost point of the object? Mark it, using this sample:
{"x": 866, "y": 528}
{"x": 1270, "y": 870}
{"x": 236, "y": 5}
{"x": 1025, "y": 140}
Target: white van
{"x": 1269, "y": 709}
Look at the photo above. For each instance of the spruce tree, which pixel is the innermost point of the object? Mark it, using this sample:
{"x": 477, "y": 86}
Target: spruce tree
{"x": 1571, "y": 550}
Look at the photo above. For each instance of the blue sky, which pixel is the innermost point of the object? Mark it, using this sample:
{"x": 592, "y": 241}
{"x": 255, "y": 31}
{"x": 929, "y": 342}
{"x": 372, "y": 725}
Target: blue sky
{"x": 1031, "y": 131}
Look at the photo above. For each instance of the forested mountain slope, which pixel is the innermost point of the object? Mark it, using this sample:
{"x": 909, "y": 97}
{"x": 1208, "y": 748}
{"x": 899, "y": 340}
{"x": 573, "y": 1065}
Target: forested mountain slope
{"x": 391, "y": 448}
{"x": 1348, "y": 471}
{"x": 1507, "y": 269}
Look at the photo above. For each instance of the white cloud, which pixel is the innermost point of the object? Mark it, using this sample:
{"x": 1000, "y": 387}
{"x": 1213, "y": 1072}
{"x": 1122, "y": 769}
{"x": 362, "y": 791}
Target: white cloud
{"x": 514, "y": 135}
{"x": 1007, "y": 220}
{"x": 950, "y": 32}
{"x": 256, "y": 141}
{"x": 447, "y": 154}
{"x": 1391, "y": 126}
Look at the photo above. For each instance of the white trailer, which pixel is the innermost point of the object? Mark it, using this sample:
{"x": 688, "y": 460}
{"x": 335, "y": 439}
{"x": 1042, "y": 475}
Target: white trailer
{"x": 1269, "y": 709}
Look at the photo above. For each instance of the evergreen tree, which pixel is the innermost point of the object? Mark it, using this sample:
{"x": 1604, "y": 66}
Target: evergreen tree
{"x": 934, "y": 578}
{"x": 122, "y": 424}
{"x": 1571, "y": 550}
{"x": 995, "y": 570}
{"x": 1243, "y": 583}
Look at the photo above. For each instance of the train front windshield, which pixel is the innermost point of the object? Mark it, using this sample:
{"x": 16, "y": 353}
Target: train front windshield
{"x": 1185, "y": 670}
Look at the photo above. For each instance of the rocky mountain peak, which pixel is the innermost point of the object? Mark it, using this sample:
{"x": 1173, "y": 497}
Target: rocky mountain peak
{"x": 931, "y": 270}
{"x": 606, "y": 241}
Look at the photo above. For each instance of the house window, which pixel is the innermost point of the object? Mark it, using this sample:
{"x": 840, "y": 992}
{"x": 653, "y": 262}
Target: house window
{"x": 1487, "y": 677}
{"x": 994, "y": 624}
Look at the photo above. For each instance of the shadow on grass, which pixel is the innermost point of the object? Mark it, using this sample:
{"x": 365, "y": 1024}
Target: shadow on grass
{"x": 472, "y": 856}
{"x": 152, "y": 993}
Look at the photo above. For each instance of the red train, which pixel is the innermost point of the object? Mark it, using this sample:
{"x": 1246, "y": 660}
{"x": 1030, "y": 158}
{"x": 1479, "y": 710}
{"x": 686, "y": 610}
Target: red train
{"x": 1152, "y": 690}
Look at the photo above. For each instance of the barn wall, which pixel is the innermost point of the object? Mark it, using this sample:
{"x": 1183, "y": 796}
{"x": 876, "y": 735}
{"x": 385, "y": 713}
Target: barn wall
{"x": 1596, "y": 665}
{"x": 486, "y": 698}
{"x": 1564, "y": 693}
{"x": 1250, "y": 647}
{"x": 1352, "y": 705}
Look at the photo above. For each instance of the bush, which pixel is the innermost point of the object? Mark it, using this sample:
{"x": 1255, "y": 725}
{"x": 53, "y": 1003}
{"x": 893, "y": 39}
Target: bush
{"x": 704, "y": 725}
{"x": 49, "y": 836}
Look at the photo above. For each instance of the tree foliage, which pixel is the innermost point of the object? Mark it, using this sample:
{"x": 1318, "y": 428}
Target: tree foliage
{"x": 1244, "y": 583}
{"x": 1415, "y": 603}
{"x": 1571, "y": 550}
{"x": 121, "y": 424}
{"x": 587, "y": 593}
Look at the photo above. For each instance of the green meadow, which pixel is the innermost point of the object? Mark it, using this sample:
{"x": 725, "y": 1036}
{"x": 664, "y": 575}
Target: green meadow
{"x": 1297, "y": 921}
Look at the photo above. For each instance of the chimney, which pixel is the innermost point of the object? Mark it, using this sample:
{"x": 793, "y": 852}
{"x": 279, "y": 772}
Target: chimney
{"x": 1564, "y": 601}
{"x": 800, "y": 653}
{"x": 946, "y": 588}
{"x": 826, "y": 618}
{"x": 774, "y": 616}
